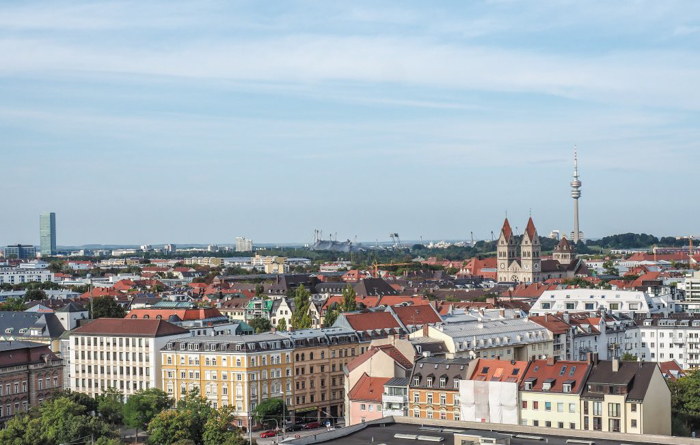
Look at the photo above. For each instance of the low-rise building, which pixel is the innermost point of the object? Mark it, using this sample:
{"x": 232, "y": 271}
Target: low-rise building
{"x": 19, "y": 275}
{"x": 616, "y": 302}
{"x": 434, "y": 387}
{"x": 550, "y": 393}
{"x": 29, "y": 373}
{"x": 658, "y": 339}
{"x": 626, "y": 397}
{"x": 490, "y": 393}
{"x": 121, "y": 353}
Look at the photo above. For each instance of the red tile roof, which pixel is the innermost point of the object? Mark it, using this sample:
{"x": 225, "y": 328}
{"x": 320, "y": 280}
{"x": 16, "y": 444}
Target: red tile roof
{"x": 671, "y": 370}
{"x": 368, "y": 389}
{"x": 183, "y": 314}
{"x": 506, "y": 230}
{"x": 129, "y": 327}
{"x": 367, "y": 321}
{"x": 101, "y": 292}
{"x": 389, "y": 350}
{"x": 557, "y": 372}
{"x": 393, "y": 300}
{"x": 417, "y": 315}
{"x": 530, "y": 229}
{"x": 493, "y": 370}
{"x": 552, "y": 323}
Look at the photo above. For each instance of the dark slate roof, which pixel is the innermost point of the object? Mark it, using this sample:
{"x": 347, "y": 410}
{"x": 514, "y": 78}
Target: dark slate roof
{"x": 374, "y": 287}
{"x": 72, "y": 307}
{"x": 635, "y": 376}
{"x": 14, "y": 345}
{"x": 455, "y": 368}
{"x": 397, "y": 381}
{"x": 49, "y": 324}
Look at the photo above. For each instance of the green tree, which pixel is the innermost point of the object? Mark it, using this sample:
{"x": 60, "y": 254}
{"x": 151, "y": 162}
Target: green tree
{"x": 300, "y": 317}
{"x": 218, "y": 429}
{"x": 270, "y": 409}
{"x": 34, "y": 294}
{"x": 143, "y": 406}
{"x": 330, "y": 317}
{"x": 106, "y": 307}
{"x": 110, "y": 406}
{"x": 627, "y": 357}
{"x": 259, "y": 290}
{"x": 60, "y": 419}
{"x": 349, "y": 304}
{"x": 610, "y": 269}
{"x": 13, "y": 304}
{"x": 80, "y": 398}
{"x": 260, "y": 324}
{"x": 194, "y": 421}
{"x": 282, "y": 325}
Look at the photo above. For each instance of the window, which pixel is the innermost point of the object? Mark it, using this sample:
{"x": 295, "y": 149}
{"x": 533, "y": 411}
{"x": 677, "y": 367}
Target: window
{"x": 633, "y": 407}
{"x": 443, "y": 399}
{"x": 524, "y": 404}
{"x": 560, "y": 425}
{"x": 634, "y": 423}
{"x": 597, "y": 408}
{"x": 560, "y": 408}
{"x": 547, "y": 406}
{"x": 572, "y": 407}
{"x": 416, "y": 412}
{"x": 430, "y": 398}
{"x": 535, "y": 405}
{"x": 613, "y": 410}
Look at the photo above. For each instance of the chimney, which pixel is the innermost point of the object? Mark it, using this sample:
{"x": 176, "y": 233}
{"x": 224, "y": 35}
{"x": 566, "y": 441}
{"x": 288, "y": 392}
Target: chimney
{"x": 503, "y": 313}
{"x": 551, "y": 361}
{"x": 425, "y": 330}
{"x": 615, "y": 365}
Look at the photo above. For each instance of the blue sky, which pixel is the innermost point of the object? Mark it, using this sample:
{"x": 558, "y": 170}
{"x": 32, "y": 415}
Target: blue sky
{"x": 156, "y": 122}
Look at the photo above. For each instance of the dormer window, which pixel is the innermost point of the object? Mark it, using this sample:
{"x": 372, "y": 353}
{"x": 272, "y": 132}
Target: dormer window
{"x": 443, "y": 382}
{"x": 566, "y": 387}
{"x": 430, "y": 381}
{"x": 416, "y": 380}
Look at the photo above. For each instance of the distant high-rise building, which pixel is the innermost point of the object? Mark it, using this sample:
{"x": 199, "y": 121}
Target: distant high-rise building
{"x": 170, "y": 248}
{"x": 47, "y": 233}
{"x": 576, "y": 194}
{"x": 244, "y": 244}
{"x": 20, "y": 252}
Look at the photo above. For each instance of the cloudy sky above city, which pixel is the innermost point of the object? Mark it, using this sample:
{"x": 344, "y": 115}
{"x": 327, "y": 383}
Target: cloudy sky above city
{"x": 196, "y": 122}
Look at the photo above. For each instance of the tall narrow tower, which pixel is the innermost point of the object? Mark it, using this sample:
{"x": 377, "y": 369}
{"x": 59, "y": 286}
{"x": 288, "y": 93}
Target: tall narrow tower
{"x": 576, "y": 194}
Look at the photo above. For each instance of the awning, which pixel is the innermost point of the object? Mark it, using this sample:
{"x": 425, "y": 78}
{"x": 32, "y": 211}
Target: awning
{"x": 306, "y": 410}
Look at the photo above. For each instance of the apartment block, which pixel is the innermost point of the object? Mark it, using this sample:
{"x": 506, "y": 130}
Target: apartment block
{"x": 121, "y": 353}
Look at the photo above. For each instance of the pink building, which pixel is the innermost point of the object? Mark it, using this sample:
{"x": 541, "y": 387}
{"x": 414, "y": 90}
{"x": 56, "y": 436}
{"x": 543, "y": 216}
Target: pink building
{"x": 365, "y": 399}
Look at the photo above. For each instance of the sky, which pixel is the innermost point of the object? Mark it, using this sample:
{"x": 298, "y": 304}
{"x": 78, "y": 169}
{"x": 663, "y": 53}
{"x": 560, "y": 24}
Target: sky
{"x": 196, "y": 122}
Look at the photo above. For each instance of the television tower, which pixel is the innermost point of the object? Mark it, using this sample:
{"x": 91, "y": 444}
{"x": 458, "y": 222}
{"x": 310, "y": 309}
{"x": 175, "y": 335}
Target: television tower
{"x": 576, "y": 194}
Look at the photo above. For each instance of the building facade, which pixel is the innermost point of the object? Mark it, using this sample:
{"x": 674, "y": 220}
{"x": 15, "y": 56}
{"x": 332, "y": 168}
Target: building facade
{"x": 47, "y": 233}
{"x": 20, "y": 252}
{"x": 19, "y": 275}
{"x": 121, "y": 353}
{"x": 29, "y": 373}
{"x": 433, "y": 388}
{"x": 237, "y": 371}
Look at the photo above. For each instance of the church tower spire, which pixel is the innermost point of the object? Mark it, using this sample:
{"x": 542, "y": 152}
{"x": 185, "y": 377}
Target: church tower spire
{"x": 576, "y": 194}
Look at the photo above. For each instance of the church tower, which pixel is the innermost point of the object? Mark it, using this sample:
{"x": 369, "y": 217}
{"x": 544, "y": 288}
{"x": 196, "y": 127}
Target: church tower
{"x": 530, "y": 254}
{"x": 506, "y": 251}
{"x": 564, "y": 252}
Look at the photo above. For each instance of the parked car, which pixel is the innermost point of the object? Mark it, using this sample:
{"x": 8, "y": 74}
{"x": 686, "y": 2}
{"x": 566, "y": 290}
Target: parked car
{"x": 295, "y": 427}
{"x": 266, "y": 434}
{"x": 312, "y": 425}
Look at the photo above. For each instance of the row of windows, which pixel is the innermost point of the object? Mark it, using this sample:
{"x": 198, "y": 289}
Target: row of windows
{"x": 274, "y": 359}
{"x": 114, "y": 342}
{"x": 548, "y": 406}
{"x": 98, "y": 385}
{"x": 107, "y": 355}
{"x": 430, "y": 414}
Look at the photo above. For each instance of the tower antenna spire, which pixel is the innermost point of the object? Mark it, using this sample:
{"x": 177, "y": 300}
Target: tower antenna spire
{"x": 576, "y": 194}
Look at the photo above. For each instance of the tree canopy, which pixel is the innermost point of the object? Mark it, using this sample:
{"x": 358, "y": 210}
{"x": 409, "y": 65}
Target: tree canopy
{"x": 282, "y": 325}
{"x": 349, "y": 303}
{"x": 141, "y": 407}
{"x": 106, "y": 307}
{"x": 300, "y": 317}
{"x": 260, "y": 324}
{"x": 270, "y": 409}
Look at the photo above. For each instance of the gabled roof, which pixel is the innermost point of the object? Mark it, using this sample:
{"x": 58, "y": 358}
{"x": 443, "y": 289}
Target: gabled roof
{"x": 636, "y": 376}
{"x": 47, "y": 323}
{"x": 389, "y": 350}
{"x": 506, "y": 230}
{"x": 421, "y": 314}
{"x": 552, "y": 323}
{"x": 129, "y": 327}
{"x": 72, "y": 307}
{"x": 374, "y": 287}
{"x": 368, "y": 321}
{"x": 186, "y": 314}
{"x": 368, "y": 389}
{"x": 530, "y": 229}
{"x": 556, "y": 373}
{"x": 493, "y": 370}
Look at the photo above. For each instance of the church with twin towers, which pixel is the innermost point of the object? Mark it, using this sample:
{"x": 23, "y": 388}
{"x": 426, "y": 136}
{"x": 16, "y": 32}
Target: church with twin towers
{"x": 519, "y": 259}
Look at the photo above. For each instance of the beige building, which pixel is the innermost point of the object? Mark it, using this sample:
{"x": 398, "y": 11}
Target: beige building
{"x": 237, "y": 371}
{"x": 626, "y": 397}
{"x": 550, "y": 393}
{"x": 121, "y": 353}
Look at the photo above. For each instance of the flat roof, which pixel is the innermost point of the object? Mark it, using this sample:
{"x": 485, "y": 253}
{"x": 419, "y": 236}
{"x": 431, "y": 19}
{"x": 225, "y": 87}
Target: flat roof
{"x": 384, "y": 434}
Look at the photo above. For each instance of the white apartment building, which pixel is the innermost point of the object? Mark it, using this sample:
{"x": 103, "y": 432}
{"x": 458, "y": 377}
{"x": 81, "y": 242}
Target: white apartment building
{"x": 691, "y": 288}
{"x": 122, "y": 353}
{"x": 508, "y": 339}
{"x": 617, "y": 302}
{"x": 661, "y": 339}
{"x": 244, "y": 244}
{"x": 19, "y": 275}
